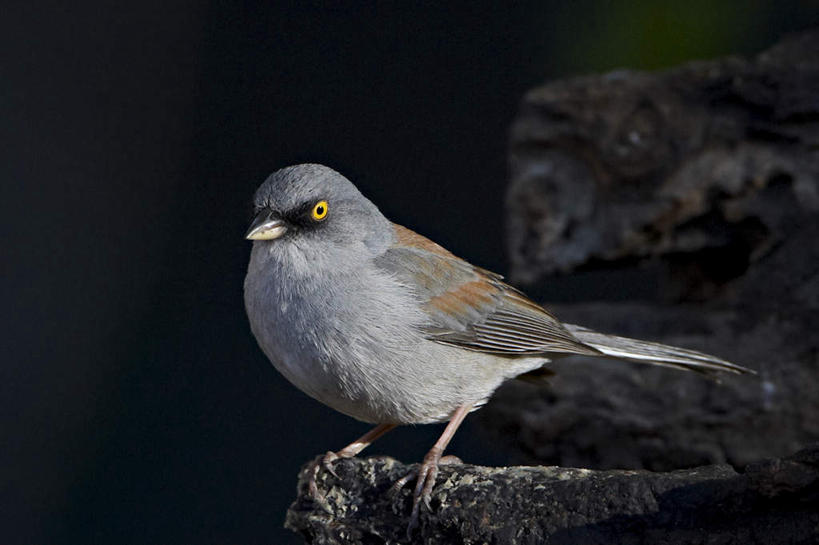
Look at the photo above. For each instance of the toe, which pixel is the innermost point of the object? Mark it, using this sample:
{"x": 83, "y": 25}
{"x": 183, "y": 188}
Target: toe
{"x": 429, "y": 484}
{"x": 316, "y": 495}
{"x": 327, "y": 463}
{"x": 312, "y": 482}
{"x": 399, "y": 485}
{"x": 423, "y": 490}
{"x": 425, "y": 477}
{"x": 450, "y": 459}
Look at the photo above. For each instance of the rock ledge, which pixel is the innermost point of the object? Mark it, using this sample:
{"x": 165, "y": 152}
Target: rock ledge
{"x": 770, "y": 502}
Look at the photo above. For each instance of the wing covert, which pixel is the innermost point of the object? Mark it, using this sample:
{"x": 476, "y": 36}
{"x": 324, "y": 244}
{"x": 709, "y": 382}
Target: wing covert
{"x": 473, "y": 308}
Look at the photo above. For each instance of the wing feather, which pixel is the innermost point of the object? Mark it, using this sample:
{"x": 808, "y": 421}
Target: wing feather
{"x": 473, "y": 308}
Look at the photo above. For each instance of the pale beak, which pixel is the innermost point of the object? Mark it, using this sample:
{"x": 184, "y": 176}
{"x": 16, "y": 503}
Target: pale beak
{"x": 267, "y": 225}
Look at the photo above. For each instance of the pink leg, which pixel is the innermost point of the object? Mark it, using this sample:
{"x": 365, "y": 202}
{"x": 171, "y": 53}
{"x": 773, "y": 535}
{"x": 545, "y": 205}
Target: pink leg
{"x": 429, "y": 467}
{"x": 364, "y": 441}
{"x": 347, "y": 452}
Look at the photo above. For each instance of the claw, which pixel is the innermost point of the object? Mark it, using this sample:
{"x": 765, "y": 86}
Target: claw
{"x": 327, "y": 463}
{"x": 427, "y": 473}
{"x": 312, "y": 485}
{"x": 396, "y": 488}
{"x": 425, "y": 476}
{"x": 425, "y": 480}
{"x": 327, "y": 460}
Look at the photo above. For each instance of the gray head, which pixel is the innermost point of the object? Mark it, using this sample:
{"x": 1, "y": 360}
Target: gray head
{"x": 315, "y": 211}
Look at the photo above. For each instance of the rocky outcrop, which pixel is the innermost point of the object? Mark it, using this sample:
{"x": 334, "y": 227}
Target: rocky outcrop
{"x": 697, "y": 189}
{"x": 772, "y": 502}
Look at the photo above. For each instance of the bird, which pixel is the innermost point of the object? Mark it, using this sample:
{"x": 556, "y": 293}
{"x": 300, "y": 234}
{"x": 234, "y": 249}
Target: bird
{"x": 388, "y": 327}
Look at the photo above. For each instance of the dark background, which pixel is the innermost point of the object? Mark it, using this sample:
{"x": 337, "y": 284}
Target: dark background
{"x": 136, "y": 407}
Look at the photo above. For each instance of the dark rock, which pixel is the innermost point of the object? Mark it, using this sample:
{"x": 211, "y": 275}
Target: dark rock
{"x": 702, "y": 183}
{"x": 708, "y": 167}
{"x": 772, "y": 502}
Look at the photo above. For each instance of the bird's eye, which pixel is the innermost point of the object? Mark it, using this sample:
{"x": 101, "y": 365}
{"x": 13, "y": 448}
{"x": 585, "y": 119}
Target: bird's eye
{"x": 319, "y": 211}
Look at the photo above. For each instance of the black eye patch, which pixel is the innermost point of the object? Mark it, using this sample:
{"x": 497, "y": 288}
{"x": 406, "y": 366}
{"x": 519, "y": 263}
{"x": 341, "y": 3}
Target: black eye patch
{"x": 300, "y": 215}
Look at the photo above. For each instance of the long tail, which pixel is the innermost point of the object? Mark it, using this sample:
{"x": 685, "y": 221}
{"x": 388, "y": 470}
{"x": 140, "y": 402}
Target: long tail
{"x": 624, "y": 348}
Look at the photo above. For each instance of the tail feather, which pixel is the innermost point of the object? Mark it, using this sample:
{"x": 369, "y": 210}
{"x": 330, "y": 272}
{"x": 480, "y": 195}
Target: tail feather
{"x": 654, "y": 353}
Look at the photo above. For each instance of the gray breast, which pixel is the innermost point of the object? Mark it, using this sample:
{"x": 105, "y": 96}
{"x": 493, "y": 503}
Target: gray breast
{"x": 356, "y": 343}
{"x": 347, "y": 340}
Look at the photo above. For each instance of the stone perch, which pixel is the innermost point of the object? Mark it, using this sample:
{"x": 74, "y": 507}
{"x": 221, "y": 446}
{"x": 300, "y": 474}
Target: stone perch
{"x": 696, "y": 188}
{"x": 771, "y": 502}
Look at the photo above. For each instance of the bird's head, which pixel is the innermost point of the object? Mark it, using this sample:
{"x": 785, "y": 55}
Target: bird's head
{"x": 317, "y": 210}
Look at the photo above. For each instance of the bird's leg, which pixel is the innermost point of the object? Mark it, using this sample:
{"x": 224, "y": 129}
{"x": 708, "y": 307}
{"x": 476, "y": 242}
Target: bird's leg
{"x": 347, "y": 452}
{"x": 428, "y": 470}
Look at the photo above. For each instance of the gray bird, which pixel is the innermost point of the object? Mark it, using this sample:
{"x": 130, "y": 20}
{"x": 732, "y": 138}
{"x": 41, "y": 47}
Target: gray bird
{"x": 390, "y": 328}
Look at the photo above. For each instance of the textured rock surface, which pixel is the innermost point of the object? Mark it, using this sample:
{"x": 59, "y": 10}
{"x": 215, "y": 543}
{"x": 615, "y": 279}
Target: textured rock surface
{"x": 771, "y": 502}
{"x": 709, "y": 166}
{"x": 697, "y": 187}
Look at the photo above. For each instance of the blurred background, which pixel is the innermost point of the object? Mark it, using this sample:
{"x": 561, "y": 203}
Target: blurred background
{"x": 136, "y": 406}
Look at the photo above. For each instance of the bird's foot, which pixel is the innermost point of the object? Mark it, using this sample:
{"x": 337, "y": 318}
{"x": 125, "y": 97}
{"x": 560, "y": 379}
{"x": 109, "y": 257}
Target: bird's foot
{"x": 425, "y": 476}
{"x": 326, "y": 463}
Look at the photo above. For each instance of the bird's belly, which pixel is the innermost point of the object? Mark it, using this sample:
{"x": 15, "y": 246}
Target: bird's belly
{"x": 423, "y": 382}
{"x": 369, "y": 360}
{"x": 319, "y": 382}
{"x": 355, "y": 383}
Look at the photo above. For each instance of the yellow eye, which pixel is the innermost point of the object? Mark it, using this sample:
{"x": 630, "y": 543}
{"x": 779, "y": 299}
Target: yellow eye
{"x": 319, "y": 211}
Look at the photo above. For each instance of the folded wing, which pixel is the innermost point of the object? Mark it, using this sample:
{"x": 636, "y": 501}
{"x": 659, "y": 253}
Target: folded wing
{"x": 474, "y": 309}
{"x": 471, "y": 307}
